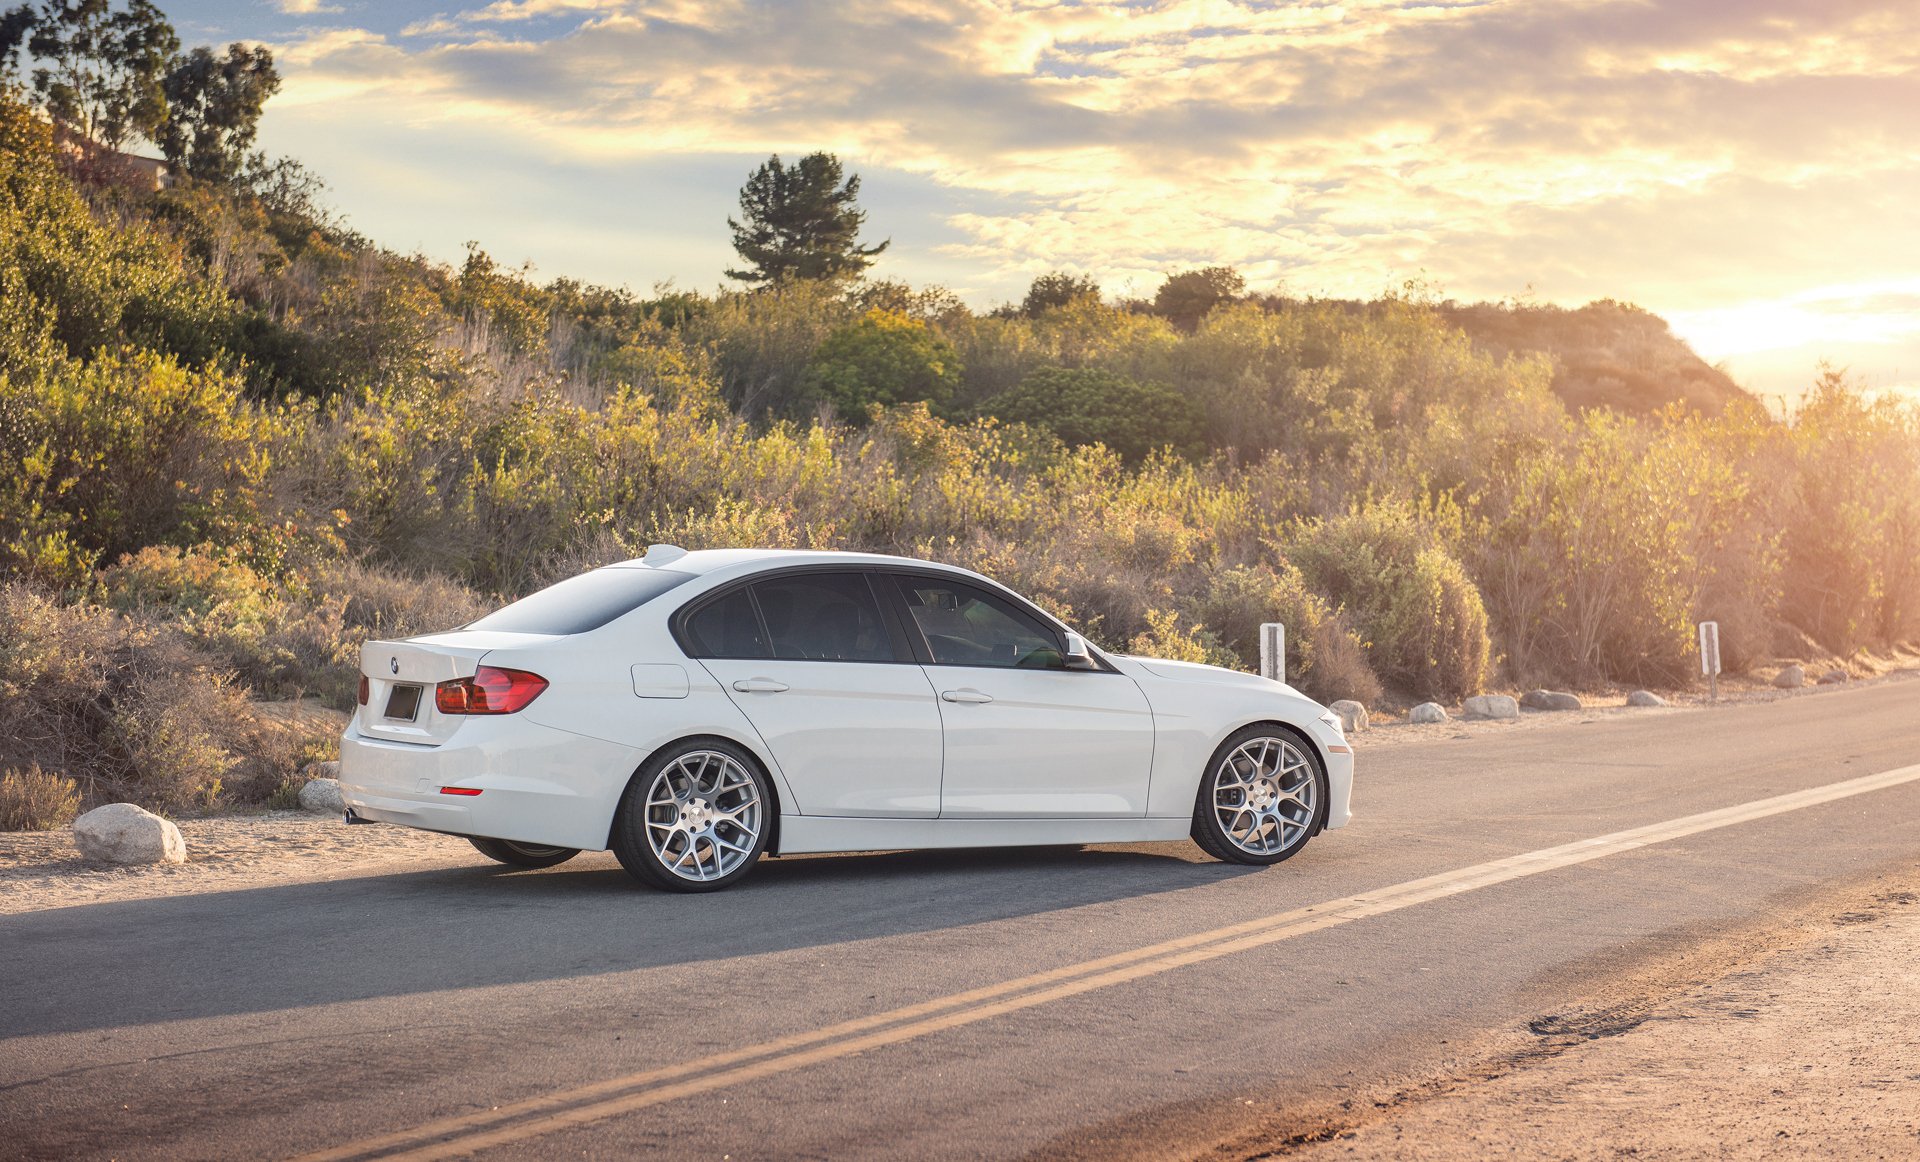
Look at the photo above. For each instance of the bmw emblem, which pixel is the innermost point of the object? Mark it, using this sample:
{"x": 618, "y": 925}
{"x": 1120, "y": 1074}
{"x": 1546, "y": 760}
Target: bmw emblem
{"x": 393, "y": 664}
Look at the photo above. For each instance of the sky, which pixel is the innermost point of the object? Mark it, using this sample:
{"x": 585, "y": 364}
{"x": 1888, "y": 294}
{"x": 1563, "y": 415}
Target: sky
{"x": 1745, "y": 168}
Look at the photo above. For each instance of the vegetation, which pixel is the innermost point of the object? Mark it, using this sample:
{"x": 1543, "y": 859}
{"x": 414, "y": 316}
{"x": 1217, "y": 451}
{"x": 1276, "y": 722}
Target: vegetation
{"x": 799, "y": 221}
{"x": 236, "y": 440}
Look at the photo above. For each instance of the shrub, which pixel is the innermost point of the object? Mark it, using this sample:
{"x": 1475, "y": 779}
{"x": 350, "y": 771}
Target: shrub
{"x": 33, "y": 800}
{"x": 128, "y": 708}
{"x": 1164, "y": 637}
{"x": 881, "y": 359}
{"x": 124, "y": 452}
{"x": 1100, "y": 407}
{"x": 1416, "y": 608}
{"x": 1325, "y": 660}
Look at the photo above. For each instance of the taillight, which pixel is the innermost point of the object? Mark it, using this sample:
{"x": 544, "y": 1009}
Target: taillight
{"x": 491, "y": 690}
{"x": 366, "y": 689}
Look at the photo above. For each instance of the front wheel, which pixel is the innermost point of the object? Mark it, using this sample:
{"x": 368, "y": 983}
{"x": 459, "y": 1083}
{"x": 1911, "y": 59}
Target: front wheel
{"x": 518, "y": 854}
{"x": 695, "y": 819}
{"x": 1264, "y": 794}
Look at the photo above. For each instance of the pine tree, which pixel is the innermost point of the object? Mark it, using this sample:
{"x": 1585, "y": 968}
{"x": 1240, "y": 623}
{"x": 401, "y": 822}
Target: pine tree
{"x": 800, "y": 222}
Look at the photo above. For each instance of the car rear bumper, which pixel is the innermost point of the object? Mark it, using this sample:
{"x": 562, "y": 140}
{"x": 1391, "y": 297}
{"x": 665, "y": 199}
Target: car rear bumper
{"x": 537, "y": 784}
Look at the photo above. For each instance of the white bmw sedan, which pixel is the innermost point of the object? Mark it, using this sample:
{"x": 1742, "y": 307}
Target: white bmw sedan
{"x": 694, "y": 711}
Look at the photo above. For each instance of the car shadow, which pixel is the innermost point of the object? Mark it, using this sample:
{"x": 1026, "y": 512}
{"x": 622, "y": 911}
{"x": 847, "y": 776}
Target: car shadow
{"x": 108, "y": 965}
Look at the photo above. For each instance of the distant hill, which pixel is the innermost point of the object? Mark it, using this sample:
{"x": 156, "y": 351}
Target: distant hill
{"x": 1606, "y": 354}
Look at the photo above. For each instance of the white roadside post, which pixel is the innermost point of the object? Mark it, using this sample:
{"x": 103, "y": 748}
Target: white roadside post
{"x": 1710, "y": 656}
{"x": 1273, "y": 651}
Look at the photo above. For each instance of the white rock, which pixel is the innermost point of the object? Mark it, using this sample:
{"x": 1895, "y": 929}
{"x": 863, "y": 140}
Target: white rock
{"x": 322, "y": 797}
{"x": 1427, "y": 712}
{"x": 1491, "y": 706}
{"x": 1791, "y": 678}
{"x": 1645, "y": 698}
{"x": 1352, "y": 715}
{"x": 124, "y": 833}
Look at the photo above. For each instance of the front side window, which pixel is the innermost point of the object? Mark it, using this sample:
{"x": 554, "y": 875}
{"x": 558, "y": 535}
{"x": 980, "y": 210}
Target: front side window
{"x": 823, "y": 617}
{"x": 968, "y": 626}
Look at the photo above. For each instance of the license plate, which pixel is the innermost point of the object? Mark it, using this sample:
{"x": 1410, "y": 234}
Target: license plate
{"x": 403, "y": 704}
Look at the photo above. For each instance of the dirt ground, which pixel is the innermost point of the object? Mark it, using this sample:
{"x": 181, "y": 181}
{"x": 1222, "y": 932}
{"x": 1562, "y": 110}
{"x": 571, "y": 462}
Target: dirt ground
{"x": 43, "y": 869}
{"x": 1810, "y": 1051}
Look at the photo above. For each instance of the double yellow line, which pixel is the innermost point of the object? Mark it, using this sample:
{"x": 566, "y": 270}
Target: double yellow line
{"x": 501, "y": 1125}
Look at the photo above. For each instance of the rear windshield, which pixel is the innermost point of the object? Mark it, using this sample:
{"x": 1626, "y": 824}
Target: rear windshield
{"x": 581, "y": 603}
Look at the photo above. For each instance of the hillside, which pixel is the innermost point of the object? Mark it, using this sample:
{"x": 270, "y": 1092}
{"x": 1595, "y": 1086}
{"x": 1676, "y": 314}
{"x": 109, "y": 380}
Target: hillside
{"x": 236, "y": 440}
{"x": 1606, "y": 354}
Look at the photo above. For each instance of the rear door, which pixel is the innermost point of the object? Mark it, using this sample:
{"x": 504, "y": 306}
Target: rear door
{"x": 827, "y": 680}
{"x": 1025, "y": 737}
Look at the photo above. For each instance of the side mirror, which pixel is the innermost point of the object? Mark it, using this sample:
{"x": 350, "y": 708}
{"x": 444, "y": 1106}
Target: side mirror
{"x": 1079, "y": 653}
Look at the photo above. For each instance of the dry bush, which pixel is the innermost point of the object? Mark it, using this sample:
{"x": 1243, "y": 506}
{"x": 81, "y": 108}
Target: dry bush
{"x": 129, "y": 708}
{"x": 1419, "y": 612}
{"x": 1325, "y": 660}
{"x": 388, "y": 603}
{"x": 33, "y": 800}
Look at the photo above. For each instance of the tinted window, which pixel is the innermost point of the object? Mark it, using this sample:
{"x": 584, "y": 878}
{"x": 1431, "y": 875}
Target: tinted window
{"x": 581, "y": 603}
{"x": 823, "y": 617}
{"x": 965, "y": 626}
{"x": 727, "y": 628}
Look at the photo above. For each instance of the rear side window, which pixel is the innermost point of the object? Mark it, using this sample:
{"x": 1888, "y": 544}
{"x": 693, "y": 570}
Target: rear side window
{"x": 583, "y": 603}
{"x": 727, "y": 628}
{"x": 824, "y": 617}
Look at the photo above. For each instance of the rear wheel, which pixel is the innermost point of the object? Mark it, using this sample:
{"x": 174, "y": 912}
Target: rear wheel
{"x": 695, "y": 819}
{"x": 1263, "y": 796}
{"x": 510, "y": 851}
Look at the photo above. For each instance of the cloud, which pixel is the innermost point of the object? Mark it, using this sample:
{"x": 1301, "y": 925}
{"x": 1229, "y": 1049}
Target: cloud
{"x": 305, "y": 7}
{"x": 1672, "y": 150}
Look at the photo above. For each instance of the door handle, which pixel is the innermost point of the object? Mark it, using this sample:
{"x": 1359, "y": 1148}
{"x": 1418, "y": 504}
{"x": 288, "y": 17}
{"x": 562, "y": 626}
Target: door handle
{"x": 759, "y": 686}
{"x": 964, "y": 694}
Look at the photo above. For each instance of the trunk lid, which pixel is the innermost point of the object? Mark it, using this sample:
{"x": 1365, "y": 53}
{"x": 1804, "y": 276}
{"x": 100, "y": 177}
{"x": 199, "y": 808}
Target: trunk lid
{"x": 401, "y": 676}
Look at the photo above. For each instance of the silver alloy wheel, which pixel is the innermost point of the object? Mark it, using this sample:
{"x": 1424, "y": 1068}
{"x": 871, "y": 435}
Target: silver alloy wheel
{"x": 703, "y": 815}
{"x": 1264, "y": 795}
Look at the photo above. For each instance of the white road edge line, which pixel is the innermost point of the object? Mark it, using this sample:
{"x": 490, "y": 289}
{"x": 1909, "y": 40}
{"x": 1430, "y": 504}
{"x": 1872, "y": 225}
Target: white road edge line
{"x": 464, "y": 1134}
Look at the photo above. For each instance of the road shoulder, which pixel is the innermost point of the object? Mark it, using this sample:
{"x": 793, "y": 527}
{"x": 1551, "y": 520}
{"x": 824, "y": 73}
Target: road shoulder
{"x": 1811, "y": 1049}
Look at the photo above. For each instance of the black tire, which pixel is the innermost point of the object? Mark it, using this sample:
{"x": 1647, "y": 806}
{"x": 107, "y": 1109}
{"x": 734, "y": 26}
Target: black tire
{"x": 519, "y": 854}
{"x": 721, "y": 838}
{"x": 1301, "y": 823}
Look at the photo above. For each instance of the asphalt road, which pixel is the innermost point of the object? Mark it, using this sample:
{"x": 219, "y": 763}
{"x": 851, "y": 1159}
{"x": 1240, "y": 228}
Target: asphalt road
{"x": 548, "y": 1014}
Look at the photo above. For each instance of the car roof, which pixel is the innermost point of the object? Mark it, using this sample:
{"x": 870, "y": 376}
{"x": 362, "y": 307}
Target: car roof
{"x": 704, "y": 561}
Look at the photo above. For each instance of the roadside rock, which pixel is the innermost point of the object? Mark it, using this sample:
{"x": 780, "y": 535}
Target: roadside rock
{"x": 1550, "y": 700}
{"x": 124, "y": 833}
{"x": 1645, "y": 698}
{"x": 1352, "y": 715}
{"x": 1833, "y": 677}
{"x": 322, "y": 797}
{"x": 1791, "y": 678}
{"x": 1491, "y": 706}
{"x": 1427, "y": 712}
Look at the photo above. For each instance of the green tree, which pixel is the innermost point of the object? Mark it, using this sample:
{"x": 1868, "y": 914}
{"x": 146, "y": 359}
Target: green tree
{"x": 213, "y": 109}
{"x": 1090, "y": 406}
{"x": 1058, "y": 289}
{"x": 883, "y": 357}
{"x": 800, "y": 221}
{"x": 103, "y": 69}
{"x": 15, "y": 24}
{"x": 1185, "y": 298}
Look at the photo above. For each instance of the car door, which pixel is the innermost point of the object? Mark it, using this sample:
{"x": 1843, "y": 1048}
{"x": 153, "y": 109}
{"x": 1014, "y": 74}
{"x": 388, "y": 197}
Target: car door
{"x": 815, "y": 665}
{"x": 1026, "y": 737}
